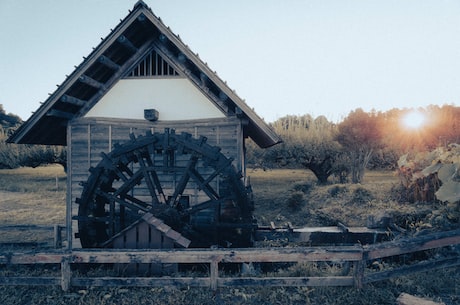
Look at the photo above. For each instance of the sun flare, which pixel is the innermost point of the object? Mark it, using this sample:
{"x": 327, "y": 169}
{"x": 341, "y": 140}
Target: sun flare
{"x": 413, "y": 119}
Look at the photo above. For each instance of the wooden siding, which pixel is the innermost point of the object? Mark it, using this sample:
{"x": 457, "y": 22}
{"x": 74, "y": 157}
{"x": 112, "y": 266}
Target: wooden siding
{"x": 89, "y": 137}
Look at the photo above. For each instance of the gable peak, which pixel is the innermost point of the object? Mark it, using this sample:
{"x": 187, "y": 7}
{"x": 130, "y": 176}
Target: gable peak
{"x": 140, "y": 3}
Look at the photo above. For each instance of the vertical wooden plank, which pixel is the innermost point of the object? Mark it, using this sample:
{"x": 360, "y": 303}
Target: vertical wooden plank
{"x": 240, "y": 150}
{"x": 131, "y": 239}
{"x": 214, "y": 274}
{"x": 118, "y": 243}
{"x": 57, "y": 237}
{"x": 110, "y": 138}
{"x": 143, "y": 243}
{"x": 359, "y": 267}
{"x": 143, "y": 238}
{"x": 66, "y": 274}
{"x": 167, "y": 243}
{"x": 155, "y": 239}
{"x": 131, "y": 243}
{"x": 89, "y": 146}
{"x": 155, "y": 243}
{"x": 68, "y": 214}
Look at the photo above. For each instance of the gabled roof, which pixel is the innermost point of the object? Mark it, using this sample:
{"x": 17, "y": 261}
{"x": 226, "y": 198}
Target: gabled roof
{"x": 115, "y": 57}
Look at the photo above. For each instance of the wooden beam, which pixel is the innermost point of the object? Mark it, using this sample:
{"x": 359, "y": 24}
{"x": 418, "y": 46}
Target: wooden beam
{"x": 224, "y": 256}
{"x": 313, "y": 281}
{"x": 90, "y": 82}
{"x": 409, "y": 245}
{"x": 108, "y": 62}
{"x": 60, "y": 114}
{"x": 423, "y": 266}
{"x": 127, "y": 43}
{"x": 140, "y": 281}
{"x": 72, "y": 100}
{"x": 407, "y": 299}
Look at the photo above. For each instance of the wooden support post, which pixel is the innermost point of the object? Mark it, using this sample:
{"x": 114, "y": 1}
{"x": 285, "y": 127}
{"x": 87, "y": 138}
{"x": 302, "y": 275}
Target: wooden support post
{"x": 66, "y": 273}
{"x": 57, "y": 236}
{"x": 214, "y": 274}
{"x": 359, "y": 267}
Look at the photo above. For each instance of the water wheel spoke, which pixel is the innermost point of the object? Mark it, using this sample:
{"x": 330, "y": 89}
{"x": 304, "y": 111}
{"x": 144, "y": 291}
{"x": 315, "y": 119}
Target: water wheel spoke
{"x": 107, "y": 163}
{"x": 224, "y": 164}
{"x": 153, "y": 174}
{"x": 136, "y": 201}
{"x": 148, "y": 178}
{"x": 203, "y": 185}
{"x": 180, "y": 187}
{"x": 131, "y": 205}
{"x": 157, "y": 184}
{"x": 123, "y": 167}
{"x": 202, "y": 206}
{"x": 129, "y": 185}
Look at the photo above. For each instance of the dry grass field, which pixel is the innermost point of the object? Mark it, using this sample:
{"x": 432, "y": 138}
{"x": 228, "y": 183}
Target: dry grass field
{"x": 32, "y": 196}
{"x": 37, "y": 196}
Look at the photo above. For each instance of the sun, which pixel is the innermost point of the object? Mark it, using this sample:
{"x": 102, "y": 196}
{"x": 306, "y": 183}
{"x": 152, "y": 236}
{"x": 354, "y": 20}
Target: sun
{"x": 413, "y": 119}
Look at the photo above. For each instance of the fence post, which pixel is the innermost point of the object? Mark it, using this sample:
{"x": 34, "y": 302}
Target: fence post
{"x": 57, "y": 236}
{"x": 66, "y": 273}
{"x": 359, "y": 267}
{"x": 214, "y": 274}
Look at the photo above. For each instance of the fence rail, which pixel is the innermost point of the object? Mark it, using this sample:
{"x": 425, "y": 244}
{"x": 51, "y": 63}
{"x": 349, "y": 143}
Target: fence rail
{"x": 56, "y": 229}
{"x": 356, "y": 256}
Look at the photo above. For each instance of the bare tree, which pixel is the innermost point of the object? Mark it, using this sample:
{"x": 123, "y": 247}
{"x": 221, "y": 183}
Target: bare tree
{"x": 360, "y": 135}
{"x": 309, "y": 143}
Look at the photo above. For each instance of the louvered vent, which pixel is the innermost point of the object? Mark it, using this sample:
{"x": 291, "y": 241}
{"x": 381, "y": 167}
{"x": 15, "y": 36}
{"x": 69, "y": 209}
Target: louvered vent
{"x": 153, "y": 65}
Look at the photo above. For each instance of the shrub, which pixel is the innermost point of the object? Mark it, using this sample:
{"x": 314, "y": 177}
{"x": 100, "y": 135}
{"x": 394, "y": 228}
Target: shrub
{"x": 304, "y": 187}
{"x": 336, "y": 190}
{"x": 296, "y": 200}
{"x": 361, "y": 195}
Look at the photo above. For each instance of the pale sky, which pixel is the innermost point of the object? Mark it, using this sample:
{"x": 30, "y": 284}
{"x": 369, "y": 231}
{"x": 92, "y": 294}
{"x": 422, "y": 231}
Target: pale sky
{"x": 321, "y": 57}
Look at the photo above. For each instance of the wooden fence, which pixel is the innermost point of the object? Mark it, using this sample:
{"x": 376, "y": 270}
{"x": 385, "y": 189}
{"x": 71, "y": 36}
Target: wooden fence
{"x": 357, "y": 256}
{"x": 56, "y": 231}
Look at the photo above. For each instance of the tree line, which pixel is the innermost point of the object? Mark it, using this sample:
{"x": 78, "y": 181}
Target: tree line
{"x": 362, "y": 140}
{"x": 13, "y": 156}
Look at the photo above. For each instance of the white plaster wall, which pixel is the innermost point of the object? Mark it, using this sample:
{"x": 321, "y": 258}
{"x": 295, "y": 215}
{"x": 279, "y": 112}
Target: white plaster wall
{"x": 173, "y": 98}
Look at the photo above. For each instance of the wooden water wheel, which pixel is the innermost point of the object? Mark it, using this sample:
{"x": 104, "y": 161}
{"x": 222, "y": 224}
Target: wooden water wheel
{"x": 188, "y": 184}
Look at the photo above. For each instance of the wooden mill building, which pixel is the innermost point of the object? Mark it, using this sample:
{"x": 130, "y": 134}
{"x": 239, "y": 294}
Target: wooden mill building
{"x": 140, "y": 78}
